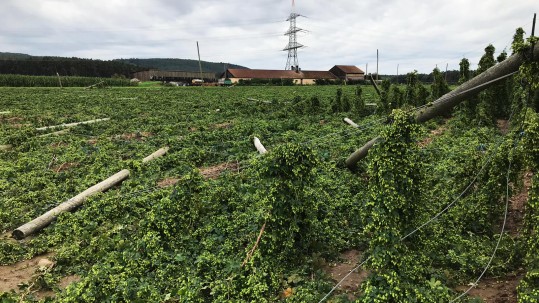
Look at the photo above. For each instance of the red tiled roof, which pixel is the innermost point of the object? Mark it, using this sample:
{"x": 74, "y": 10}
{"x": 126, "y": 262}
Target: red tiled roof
{"x": 314, "y": 74}
{"x": 279, "y": 74}
{"x": 350, "y": 69}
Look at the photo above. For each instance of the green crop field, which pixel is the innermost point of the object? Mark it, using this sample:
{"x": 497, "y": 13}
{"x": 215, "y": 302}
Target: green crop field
{"x": 213, "y": 220}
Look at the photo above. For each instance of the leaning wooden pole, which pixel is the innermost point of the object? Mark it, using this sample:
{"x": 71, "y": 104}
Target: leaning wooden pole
{"x": 446, "y": 102}
{"x": 42, "y": 221}
{"x": 474, "y": 85}
{"x": 375, "y": 85}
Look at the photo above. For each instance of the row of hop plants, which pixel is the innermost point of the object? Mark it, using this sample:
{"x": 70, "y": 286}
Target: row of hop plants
{"x": 53, "y": 81}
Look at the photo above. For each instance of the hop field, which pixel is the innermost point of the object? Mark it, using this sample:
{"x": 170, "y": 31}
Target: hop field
{"x": 215, "y": 221}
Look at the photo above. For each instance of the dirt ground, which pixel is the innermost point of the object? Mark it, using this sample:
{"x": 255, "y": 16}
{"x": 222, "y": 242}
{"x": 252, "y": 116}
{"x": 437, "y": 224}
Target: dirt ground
{"x": 517, "y": 205}
{"x": 213, "y": 172}
{"x": 503, "y": 125}
{"x": 223, "y": 125}
{"x": 337, "y": 271}
{"x": 25, "y": 272}
{"x": 495, "y": 290}
{"x": 433, "y": 133}
{"x": 504, "y": 289}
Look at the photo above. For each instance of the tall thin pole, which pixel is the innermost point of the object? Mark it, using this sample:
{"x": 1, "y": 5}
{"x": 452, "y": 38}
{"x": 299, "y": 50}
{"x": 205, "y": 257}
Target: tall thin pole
{"x": 366, "y": 68}
{"x": 199, "y": 63}
{"x": 59, "y": 80}
{"x": 533, "y": 26}
{"x": 397, "y": 74}
{"x": 376, "y": 64}
{"x": 446, "y": 66}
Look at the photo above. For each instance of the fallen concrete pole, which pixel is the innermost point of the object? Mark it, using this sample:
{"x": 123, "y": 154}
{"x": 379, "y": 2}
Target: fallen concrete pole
{"x": 5, "y": 113}
{"x": 256, "y": 100}
{"x": 60, "y": 132}
{"x": 261, "y": 149}
{"x": 350, "y": 122}
{"x": 160, "y": 152}
{"x": 71, "y": 124}
{"x": 42, "y": 221}
{"x": 360, "y": 153}
{"x": 446, "y": 102}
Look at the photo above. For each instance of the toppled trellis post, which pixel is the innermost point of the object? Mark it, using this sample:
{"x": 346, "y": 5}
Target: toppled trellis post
{"x": 261, "y": 149}
{"x": 71, "y": 124}
{"x": 60, "y": 132}
{"x": 446, "y": 102}
{"x": 160, "y": 152}
{"x": 42, "y": 221}
{"x": 256, "y": 100}
{"x": 350, "y": 122}
{"x": 373, "y": 82}
{"x": 99, "y": 84}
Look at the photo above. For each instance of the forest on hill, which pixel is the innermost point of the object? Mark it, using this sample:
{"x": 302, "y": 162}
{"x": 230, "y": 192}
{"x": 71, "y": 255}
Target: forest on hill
{"x": 23, "y": 64}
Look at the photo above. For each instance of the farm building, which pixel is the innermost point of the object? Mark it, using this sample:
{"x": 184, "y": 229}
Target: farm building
{"x": 301, "y": 77}
{"x": 348, "y": 72}
{"x": 181, "y": 76}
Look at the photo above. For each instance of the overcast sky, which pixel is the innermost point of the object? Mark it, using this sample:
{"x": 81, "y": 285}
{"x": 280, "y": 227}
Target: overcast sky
{"x": 414, "y": 34}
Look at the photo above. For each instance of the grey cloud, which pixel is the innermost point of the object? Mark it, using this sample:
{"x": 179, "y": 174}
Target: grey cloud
{"x": 414, "y": 34}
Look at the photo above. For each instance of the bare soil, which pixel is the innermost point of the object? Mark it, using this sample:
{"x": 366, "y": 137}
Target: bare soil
{"x": 58, "y": 144}
{"x": 337, "y": 271}
{"x": 138, "y": 136}
{"x": 25, "y": 273}
{"x": 504, "y": 289}
{"x": 64, "y": 166}
{"x": 224, "y": 125}
{"x": 503, "y": 126}
{"x": 433, "y": 133}
{"x": 495, "y": 290}
{"x": 167, "y": 182}
{"x": 13, "y": 121}
{"x": 11, "y": 276}
{"x": 517, "y": 205}
{"x": 213, "y": 172}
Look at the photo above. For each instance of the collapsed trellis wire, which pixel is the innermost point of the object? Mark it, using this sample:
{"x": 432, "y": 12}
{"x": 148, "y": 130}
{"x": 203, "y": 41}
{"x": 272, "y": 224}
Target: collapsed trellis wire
{"x": 445, "y": 209}
{"x": 517, "y": 140}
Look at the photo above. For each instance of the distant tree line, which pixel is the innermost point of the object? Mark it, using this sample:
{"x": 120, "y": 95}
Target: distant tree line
{"x": 22, "y": 64}
{"x": 49, "y": 66}
{"x": 187, "y": 65}
{"x": 451, "y": 77}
